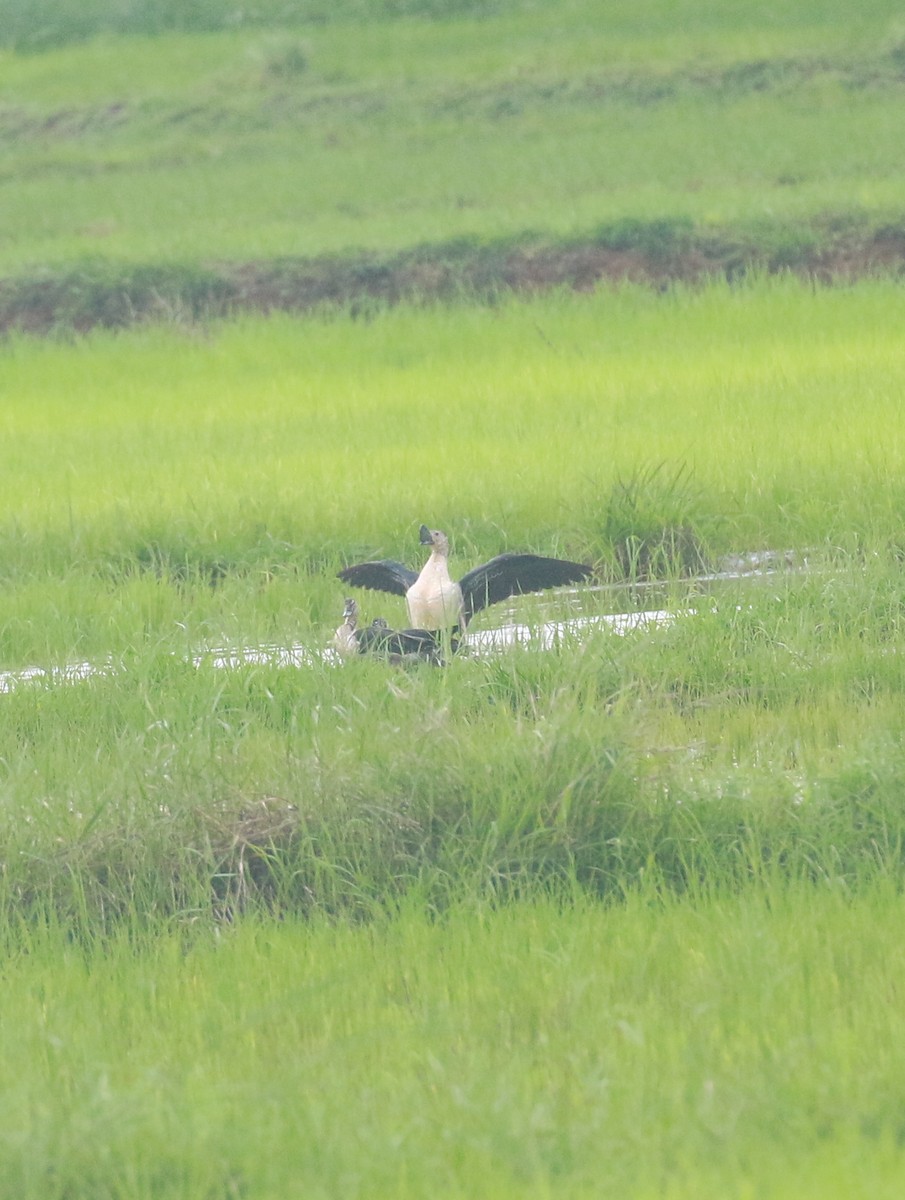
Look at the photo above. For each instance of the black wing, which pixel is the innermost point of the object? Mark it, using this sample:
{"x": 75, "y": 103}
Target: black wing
{"x": 382, "y": 576}
{"x": 512, "y": 574}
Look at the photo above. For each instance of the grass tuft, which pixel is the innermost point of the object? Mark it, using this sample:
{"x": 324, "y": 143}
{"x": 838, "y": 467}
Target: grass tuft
{"x": 649, "y": 526}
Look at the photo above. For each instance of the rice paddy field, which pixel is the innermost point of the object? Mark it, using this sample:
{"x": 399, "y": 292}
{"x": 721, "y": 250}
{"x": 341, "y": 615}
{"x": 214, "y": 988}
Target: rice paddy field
{"x": 382, "y": 126}
{"x": 617, "y": 918}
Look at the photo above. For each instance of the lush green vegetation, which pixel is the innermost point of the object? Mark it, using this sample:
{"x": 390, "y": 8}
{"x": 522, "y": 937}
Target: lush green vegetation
{"x": 615, "y": 919}
{"x": 754, "y": 741}
{"x": 658, "y": 1049}
{"x": 333, "y": 132}
{"x": 166, "y": 494}
{"x": 726, "y": 789}
{"x": 759, "y": 416}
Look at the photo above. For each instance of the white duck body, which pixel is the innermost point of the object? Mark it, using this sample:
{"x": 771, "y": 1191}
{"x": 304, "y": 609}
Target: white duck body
{"x": 434, "y": 600}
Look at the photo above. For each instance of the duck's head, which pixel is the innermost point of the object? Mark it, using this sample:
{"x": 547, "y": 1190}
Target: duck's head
{"x": 350, "y": 613}
{"x": 436, "y": 539}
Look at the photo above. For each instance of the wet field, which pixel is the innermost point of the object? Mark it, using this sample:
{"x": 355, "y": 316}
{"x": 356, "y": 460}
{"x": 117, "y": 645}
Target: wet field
{"x": 509, "y": 631}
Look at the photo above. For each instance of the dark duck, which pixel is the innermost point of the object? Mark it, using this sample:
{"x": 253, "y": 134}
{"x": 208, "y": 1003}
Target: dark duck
{"x": 395, "y": 645}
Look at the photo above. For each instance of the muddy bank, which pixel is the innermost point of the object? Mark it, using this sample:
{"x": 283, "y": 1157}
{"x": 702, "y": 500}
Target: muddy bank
{"x": 657, "y": 254}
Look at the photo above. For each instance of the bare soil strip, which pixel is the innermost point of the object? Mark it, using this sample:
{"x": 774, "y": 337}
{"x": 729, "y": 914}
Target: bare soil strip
{"x": 99, "y": 294}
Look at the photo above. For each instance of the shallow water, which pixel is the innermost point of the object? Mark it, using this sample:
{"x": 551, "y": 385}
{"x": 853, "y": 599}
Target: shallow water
{"x": 485, "y": 642}
{"x": 543, "y": 635}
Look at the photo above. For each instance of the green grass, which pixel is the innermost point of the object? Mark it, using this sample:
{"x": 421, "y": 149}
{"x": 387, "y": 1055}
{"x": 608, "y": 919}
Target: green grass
{"x": 166, "y": 492}
{"x": 247, "y": 144}
{"x": 617, "y": 919}
{"x": 756, "y": 739}
{"x": 422, "y": 1015}
{"x": 656, "y": 1049}
{"x": 761, "y": 416}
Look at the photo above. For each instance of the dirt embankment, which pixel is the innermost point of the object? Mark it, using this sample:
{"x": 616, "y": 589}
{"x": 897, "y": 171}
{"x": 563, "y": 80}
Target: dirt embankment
{"x": 103, "y": 294}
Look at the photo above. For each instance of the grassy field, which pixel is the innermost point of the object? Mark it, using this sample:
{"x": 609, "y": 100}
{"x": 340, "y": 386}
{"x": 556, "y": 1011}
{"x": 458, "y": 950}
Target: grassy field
{"x": 326, "y": 135}
{"x": 760, "y": 416}
{"x": 168, "y": 496}
{"x": 617, "y": 919}
{"x": 653, "y": 1050}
